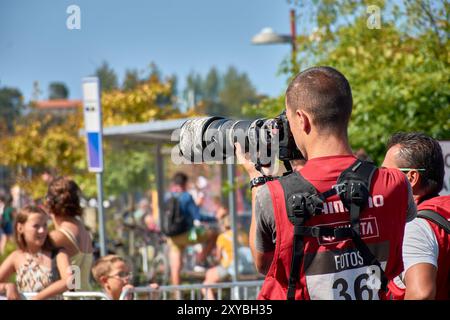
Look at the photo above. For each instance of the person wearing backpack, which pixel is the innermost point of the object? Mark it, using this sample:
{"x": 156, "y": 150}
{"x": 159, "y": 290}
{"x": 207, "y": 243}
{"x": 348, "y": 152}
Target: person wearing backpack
{"x": 426, "y": 244}
{"x": 178, "y": 218}
{"x": 334, "y": 228}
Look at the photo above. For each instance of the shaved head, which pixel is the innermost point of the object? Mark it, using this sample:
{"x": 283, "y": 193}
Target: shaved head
{"x": 325, "y": 94}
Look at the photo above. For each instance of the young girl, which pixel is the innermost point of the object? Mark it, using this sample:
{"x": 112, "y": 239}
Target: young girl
{"x": 38, "y": 265}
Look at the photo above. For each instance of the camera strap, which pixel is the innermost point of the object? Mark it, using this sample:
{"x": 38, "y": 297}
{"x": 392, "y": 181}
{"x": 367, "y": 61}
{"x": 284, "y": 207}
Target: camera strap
{"x": 303, "y": 201}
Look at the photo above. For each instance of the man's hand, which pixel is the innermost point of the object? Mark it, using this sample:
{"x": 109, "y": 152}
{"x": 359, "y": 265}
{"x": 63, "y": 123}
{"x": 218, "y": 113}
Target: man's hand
{"x": 244, "y": 159}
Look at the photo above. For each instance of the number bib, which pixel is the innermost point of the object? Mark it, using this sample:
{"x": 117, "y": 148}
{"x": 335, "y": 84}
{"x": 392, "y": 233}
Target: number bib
{"x": 342, "y": 275}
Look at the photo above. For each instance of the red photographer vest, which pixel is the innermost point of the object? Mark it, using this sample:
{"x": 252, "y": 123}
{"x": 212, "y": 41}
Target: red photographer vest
{"x": 440, "y": 205}
{"x": 334, "y": 269}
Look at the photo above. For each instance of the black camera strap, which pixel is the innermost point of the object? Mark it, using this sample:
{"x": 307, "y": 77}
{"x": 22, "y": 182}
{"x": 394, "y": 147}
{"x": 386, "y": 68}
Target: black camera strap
{"x": 288, "y": 166}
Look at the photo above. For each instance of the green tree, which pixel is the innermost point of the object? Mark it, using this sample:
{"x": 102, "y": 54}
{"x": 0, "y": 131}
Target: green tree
{"x": 211, "y": 85}
{"x": 58, "y": 90}
{"x": 220, "y": 94}
{"x": 107, "y": 76}
{"x": 211, "y": 90}
{"x": 399, "y": 73}
{"x": 46, "y": 141}
{"x": 237, "y": 90}
{"x": 11, "y": 105}
{"x": 132, "y": 80}
{"x": 193, "y": 92}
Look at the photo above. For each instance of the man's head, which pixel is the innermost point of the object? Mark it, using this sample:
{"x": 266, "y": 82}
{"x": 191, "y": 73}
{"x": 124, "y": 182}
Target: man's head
{"x": 420, "y": 157}
{"x": 180, "y": 179}
{"x": 112, "y": 272}
{"x": 319, "y": 101}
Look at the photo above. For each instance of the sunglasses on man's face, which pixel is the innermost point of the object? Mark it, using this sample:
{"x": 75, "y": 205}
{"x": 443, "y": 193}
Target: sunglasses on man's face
{"x": 411, "y": 169}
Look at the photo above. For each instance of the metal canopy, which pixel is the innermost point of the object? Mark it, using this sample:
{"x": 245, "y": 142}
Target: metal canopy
{"x": 157, "y": 131}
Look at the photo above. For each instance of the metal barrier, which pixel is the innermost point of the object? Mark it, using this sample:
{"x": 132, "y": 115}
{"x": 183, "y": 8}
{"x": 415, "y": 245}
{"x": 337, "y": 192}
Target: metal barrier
{"x": 78, "y": 295}
{"x": 241, "y": 290}
{"x": 85, "y": 295}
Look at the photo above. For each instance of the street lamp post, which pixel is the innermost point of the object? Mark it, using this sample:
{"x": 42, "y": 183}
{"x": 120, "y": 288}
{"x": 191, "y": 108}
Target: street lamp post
{"x": 268, "y": 36}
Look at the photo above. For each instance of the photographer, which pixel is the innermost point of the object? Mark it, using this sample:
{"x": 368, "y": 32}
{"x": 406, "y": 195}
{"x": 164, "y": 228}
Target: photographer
{"x": 426, "y": 245}
{"x": 318, "y": 109}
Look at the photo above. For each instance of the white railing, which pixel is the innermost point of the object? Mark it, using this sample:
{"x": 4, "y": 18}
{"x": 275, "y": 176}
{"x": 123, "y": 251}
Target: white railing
{"x": 78, "y": 295}
{"x": 241, "y": 290}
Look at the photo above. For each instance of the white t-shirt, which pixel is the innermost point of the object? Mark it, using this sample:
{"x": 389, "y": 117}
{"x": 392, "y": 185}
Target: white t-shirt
{"x": 419, "y": 246}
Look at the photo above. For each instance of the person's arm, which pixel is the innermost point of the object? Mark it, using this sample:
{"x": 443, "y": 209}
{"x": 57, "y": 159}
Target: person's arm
{"x": 218, "y": 249}
{"x": 263, "y": 259}
{"x": 194, "y": 211}
{"x": 7, "y": 268}
{"x": 59, "y": 286}
{"x": 420, "y": 256}
{"x": 420, "y": 281}
{"x": 10, "y": 291}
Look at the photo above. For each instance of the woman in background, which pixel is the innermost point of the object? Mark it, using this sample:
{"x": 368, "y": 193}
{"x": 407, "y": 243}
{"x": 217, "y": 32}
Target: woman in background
{"x": 63, "y": 202}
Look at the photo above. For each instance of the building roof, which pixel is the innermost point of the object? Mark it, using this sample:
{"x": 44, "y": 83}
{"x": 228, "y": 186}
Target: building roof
{"x": 58, "y": 104}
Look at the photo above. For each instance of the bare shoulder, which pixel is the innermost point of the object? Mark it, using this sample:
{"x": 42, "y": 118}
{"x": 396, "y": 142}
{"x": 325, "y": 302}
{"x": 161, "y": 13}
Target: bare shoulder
{"x": 15, "y": 258}
{"x": 59, "y": 239}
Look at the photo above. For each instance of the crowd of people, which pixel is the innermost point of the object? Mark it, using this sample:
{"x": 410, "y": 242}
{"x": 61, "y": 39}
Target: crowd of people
{"x": 50, "y": 262}
{"x": 314, "y": 234}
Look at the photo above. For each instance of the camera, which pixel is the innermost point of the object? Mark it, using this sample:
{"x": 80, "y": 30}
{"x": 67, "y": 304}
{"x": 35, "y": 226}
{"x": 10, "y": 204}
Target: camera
{"x": 212, "y": 139}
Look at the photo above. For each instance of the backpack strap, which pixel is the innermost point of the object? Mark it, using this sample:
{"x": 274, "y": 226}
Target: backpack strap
{"x": 298, "y": 214}
{"x": 356, "y": 181}
{"x": 435, "y": 218}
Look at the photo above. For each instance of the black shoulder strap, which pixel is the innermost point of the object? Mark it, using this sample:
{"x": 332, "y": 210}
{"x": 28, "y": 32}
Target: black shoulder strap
{"x": 357, "y": 179}
{"x": 294, "y": 186}
{"x": 435, "y": 218}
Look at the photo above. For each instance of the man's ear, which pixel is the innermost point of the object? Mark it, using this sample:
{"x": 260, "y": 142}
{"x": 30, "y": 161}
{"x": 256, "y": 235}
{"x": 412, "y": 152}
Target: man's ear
{"x": 413, "y": 178}
{"x": 304, "y": 120}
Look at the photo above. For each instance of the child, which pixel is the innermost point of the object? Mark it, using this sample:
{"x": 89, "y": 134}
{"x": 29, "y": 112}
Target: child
{"x": 39, "y": 267}
{"x": 224, "y": 247}
{"x": 113, "y": 274}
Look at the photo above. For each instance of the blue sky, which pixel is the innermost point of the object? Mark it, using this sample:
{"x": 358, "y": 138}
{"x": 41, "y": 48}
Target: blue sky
{"x": 178, "y": 35}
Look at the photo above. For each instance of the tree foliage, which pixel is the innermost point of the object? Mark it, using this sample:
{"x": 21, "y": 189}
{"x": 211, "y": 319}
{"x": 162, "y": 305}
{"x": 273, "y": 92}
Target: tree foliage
{"x": 107, "y": 77}
{"x": 48, "y": 142}
{"x": 11, "y": 106}
{"x": 58, "y": 90}
{"x": 399, "y": 74}
{"x": 221, "y": 94}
